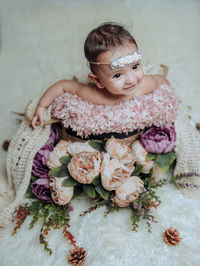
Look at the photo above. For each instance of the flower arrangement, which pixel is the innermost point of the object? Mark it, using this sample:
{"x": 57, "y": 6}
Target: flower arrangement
{"x": 110, "y": 172}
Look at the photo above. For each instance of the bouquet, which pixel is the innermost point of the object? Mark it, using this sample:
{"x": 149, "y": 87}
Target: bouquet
{"x": 109, "y": 172}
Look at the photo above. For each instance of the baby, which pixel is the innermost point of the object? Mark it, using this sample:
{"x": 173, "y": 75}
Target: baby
{"x": 121, "y": 101}
{"x": 116, "y": 72}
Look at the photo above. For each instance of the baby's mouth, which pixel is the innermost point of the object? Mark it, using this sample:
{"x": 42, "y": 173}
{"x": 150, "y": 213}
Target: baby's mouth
{"x": 131, "y": 87}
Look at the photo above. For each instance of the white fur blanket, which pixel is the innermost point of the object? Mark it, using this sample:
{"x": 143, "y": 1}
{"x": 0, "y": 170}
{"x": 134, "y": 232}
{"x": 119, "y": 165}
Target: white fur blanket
{"x": 109, "y": 240}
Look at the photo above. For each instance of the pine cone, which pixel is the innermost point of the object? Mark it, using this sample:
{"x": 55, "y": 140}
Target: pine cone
{"x": 77, "y": 256}
{"x": 171, "y": 237}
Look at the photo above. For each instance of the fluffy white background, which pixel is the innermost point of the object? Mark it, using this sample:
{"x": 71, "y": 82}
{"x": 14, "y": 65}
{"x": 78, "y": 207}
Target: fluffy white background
{"x": 42, "y": 42}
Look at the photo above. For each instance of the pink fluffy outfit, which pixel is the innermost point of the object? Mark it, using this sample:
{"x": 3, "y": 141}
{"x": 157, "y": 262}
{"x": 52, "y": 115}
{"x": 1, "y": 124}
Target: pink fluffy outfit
{"x": 157, "y": 108}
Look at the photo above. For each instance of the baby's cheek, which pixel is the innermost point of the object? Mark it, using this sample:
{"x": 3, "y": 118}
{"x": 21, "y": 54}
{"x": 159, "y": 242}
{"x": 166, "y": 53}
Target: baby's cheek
{"x": 141, "y": 76}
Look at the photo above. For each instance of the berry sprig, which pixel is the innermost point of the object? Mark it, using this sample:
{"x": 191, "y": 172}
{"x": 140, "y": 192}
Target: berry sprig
{"x": 69, "y": 236}
{"x": 20, "y": 217}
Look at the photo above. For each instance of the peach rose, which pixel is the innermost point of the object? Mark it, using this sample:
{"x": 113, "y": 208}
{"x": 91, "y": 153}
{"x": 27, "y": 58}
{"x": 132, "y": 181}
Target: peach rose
{"x": 60, "y": 194}
{"x": 84, "y": 166}
{"x": 114, "y": 173}
{"x": 119, "y": 151}
{"x": 128, "y": 191}
{"x": 140, "y": 154}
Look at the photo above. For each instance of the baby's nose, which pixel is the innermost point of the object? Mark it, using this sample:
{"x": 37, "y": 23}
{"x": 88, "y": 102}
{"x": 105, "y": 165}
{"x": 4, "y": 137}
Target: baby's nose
{"x": 130, "y": 78}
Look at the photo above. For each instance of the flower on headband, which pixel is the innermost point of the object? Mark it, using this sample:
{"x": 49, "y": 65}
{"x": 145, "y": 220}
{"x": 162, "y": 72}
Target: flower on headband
{"x": 125, "y": 60}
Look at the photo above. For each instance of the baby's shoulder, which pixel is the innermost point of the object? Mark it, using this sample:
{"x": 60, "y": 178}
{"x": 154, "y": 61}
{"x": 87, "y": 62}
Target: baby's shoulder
{"x": 152, "y": 82}
{"x": 90, "y": 93}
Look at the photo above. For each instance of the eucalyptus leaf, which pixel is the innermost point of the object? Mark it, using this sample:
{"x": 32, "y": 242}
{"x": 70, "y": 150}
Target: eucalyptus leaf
{"x": 65, "y": 160}
{"x": 102, "y": 192}
{"x": 69, "y": 182}
{"x": 151, "y": 156}
{"x": 99, "y": 146}
{"x": 97, "y": 180}
{"x": 164, "y": 160}
{"x": 89, "y": 191}
{"x": 60, "y": 171}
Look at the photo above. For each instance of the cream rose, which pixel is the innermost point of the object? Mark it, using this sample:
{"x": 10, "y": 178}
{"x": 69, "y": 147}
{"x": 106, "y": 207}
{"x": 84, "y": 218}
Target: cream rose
{"x": 113, "y": 172}
{"x": 140, "y": 154}
{"x": 84, "y": 166}
{"x": 119, "y": 151}
{"x": 128, "y": 191}
{"x": 60, "y": 195}
{"x": 77, "y": 147}
{"x": 59, "y": 150}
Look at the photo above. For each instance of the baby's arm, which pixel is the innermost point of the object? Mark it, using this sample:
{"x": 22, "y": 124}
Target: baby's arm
{"x": 51, "y": 94}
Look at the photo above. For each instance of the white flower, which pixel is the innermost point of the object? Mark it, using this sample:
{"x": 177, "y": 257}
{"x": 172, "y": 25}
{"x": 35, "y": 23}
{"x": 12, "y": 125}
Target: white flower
{"x": 128, "y": 191}
{"x": 140, "y": 154}
{"x": 60, "y": 195}
{"x": 59, "y": 150}
{"x": 119, "y": 151}
{"x": 114, "y": 173}
{"x": 77, "y": 147}
{"x": 84, "y": 166}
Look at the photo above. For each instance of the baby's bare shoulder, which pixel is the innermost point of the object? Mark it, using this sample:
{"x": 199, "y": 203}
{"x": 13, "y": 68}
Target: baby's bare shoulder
{"x": 151, "y": 82}
{"x": 159, "y": 80}
{"x": 90, "y": 94}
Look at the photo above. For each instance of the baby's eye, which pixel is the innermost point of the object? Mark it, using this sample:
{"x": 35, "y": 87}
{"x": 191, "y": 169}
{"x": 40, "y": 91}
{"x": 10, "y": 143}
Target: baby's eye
{"x": 117, "y": 75}
{"x": 135, "y": 66}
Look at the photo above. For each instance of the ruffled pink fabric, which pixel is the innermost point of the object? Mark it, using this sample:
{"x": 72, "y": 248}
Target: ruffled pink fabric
{"x": 158, "y": 108}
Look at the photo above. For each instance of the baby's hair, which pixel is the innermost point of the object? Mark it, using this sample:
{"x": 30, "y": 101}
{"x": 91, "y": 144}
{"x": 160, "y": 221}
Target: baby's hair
{"x": 101, "y": 39}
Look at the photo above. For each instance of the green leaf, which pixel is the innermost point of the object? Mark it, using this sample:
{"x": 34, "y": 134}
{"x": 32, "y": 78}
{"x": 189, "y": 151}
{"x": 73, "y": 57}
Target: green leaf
{"x": 65, "y": 160}
{"x": 69, "y": 182}
{"x": 164, "y": 160}
{"x": 99, "y": 146}
{"x": 97, "y": 180}
{"x": 151, "y": 156}
{"x": 78, "y": 190}
{"x": 102, "y": 192}
{"x": 60, "y": 171}
{"x": 33, "y": 178}
{"x": 89, "y": 191}
{"x": 137, "y": 170}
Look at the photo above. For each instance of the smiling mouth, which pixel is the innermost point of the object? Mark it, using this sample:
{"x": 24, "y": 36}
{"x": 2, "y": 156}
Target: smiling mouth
{"x": 131, "y": 87}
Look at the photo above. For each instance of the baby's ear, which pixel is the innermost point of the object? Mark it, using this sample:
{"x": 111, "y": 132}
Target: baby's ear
{"x": 94, "y": 78}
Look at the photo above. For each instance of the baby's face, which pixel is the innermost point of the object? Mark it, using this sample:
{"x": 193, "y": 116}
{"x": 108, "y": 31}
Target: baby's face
{"x": 124, "y": 80}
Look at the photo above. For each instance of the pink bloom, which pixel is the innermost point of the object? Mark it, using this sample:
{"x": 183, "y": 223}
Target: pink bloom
{"x": 159, "y": 139}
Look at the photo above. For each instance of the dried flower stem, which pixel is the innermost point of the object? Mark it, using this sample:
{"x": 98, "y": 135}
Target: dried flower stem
{"x": 69, "y": 236}
{"x": 20, "y": 217}
{"x": 89, "y": 210}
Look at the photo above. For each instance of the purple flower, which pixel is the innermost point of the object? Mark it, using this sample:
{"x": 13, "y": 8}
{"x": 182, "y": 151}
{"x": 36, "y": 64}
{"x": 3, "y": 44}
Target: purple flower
{"x": 40, "y": 189}
{"x": 159, "y": 139}
{"x": 39, "y": 162}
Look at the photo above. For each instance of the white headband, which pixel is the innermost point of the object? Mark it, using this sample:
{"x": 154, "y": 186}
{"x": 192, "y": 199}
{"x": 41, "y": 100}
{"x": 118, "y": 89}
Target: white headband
{"x": 122, "y": 61}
